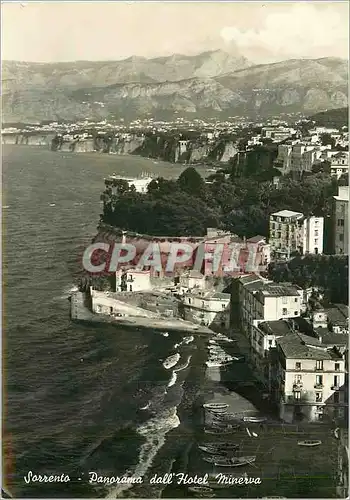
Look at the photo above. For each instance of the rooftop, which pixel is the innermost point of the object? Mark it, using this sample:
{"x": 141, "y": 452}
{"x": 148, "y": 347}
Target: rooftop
{"x": 279, "y": 328}
{"x": 287, "y": 213}
{"x": 250, "y": 278}
{"x": 256, "y": 239}
{"x": 276, "y": 290}
{"x": 338, "y": 315}
{"x": 295, "y": 347}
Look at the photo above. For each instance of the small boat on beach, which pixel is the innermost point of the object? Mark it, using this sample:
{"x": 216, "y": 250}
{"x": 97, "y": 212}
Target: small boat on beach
{"x": 215, "y": 406}
{"x": 310, "y": 442}
{"x": 254, "y": 420}
{"x": 235, "y": 462}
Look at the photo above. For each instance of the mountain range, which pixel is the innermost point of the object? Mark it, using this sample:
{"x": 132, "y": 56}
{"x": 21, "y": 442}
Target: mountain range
{"x": 206, "y": 85}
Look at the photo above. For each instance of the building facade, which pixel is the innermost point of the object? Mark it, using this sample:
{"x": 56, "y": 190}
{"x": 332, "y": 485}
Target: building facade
{"x": 340, "y": 164}
{"x": 132, "y": 280}
{"x": 340, "y": 221}
{"x": 307, "y": 380}
{"x": 207, "y": 308}
{"x": 292, "y": 232}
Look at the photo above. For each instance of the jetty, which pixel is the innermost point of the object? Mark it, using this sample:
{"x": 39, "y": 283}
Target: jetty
{"x": 80, "y": 311}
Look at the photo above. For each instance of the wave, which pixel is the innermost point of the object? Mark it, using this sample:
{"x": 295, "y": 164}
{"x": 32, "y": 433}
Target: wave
{"x": 173, "y": 379}
{"x": 154, "y": 431}
{"x": 185, "y": 340}
{"x": 183, "y": 366}
{"x": 67, "y": 292}
{"x": 147, "y": 406}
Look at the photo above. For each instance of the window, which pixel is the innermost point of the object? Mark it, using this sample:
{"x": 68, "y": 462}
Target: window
{"x": 316, "y": 241}
{"x": 284, "y": 312}
{"x": 223, "y": 306}
{"x": 341, "y": 222}
{"x": 341, "y": 237}
{"x": 336, "y": 397}
{"x": 336, "y": 381}
{"x": 296, "y": 313}
{"x": 297, "y": 395}
{"x": 319, "y": 380}
{"x": 316, "y": 232}
{"x": 284, "y": 300}
{"x": 318, "y": 397}
{"x": 297, "y": 378}
{"x": 296, "y": 299}
{"x": 319, "y": 365}
{"x": 319, "y": 409}
{"x": 337, "y": 367}
{"x": 298, "y": 366}
{"x": 320, "y": 416}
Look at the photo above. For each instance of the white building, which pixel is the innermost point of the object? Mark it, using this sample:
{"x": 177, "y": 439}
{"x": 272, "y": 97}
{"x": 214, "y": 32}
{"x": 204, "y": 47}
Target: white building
{"x": 140, "y": 183}
{"x": 308, "y": 379}
{"x": 190, "y": 280}
{"x": 262, "y": 300}
{"x": 312, "y": 235}
{"x": 292, "y": 232}
{"x": 340, "y": 164}
{"x": 207, "y": 308}
{"x": 340, "y": 221}
{"x": 132, "y": 280}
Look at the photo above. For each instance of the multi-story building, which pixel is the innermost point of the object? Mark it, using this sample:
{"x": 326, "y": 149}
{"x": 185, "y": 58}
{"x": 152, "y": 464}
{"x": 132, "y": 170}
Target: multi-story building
{"x": 340, "y": 164}
{"x": 312, "y": 234}
{"x": 340, "y": 221}
{"x": 262, "y": 300}
{"x": 307, "y": 379}
{"x": 263, "y": 338}
{"x": 292, "y": 232}
{"x": 206, "y": 308}
{"x": 285, "y": 233}
{"x": 132, "y": 280}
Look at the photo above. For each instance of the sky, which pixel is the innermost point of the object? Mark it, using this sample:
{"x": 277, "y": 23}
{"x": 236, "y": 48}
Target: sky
{"x": 262, "y": 32}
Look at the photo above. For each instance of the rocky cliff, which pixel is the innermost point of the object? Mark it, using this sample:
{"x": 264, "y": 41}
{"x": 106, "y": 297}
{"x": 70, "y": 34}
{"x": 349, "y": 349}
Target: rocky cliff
{"x": 160, "y": 147}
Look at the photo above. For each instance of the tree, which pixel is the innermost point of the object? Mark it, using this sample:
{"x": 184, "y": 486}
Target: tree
{"x": 191, "y": 182}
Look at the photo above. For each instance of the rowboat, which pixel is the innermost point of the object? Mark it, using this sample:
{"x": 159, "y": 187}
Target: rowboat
{"x": 256, "y": 420}
{"x": 222, "y": 445}
{"x": 213, "y": 459}
{"x": 310, "y": 442}
{"x": 234, "y": 462}
{"x": 215, "y": 406}
{"x": 215, "y": 430}
{"x": 219, "y": 451}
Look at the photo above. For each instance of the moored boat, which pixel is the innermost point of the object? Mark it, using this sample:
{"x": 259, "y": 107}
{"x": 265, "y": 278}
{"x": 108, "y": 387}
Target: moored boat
{"x": 310, "y": 442}
{"x": 254, "y": 420}
{"x": 217, "y": 450}
{"x": 215, "y": 406}
{"x": 234, "y": 462}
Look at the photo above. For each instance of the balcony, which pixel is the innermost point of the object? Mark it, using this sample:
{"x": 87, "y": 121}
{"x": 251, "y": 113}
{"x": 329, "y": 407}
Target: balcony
{"x": 297, "y": 386}
{"x": 318, "y": 386}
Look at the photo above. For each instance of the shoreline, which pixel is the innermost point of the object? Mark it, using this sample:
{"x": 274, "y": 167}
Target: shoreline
{"x": 156, "y": 161}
